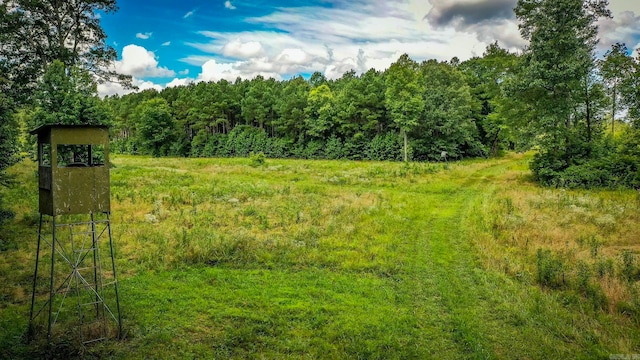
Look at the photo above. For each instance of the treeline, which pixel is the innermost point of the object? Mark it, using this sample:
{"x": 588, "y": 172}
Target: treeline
{"x": 416, "y": 111}
{"x": 581, "y": 113}
{"x": 354, "y": 117}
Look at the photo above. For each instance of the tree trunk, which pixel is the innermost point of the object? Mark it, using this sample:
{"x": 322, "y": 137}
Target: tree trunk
{"x": 613, "y": 112}
{"x": 404, "y": 132}
{"x": 588, "y": 104}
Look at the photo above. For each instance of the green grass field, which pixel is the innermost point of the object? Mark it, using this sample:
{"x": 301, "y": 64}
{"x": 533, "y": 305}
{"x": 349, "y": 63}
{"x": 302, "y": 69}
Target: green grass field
{"x": 337, "y": 259}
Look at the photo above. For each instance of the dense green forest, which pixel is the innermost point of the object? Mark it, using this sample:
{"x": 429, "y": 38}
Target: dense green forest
{"x": 476, "y": 108}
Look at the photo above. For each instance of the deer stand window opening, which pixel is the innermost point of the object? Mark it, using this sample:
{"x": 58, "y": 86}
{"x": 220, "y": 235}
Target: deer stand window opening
{"x": 80, "y": 155}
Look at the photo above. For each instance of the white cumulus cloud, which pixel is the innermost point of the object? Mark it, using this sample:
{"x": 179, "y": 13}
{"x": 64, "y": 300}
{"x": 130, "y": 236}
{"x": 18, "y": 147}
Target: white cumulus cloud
{"x": 623, "y": 27}
{"x": 215, "y": 71}
{"x": 229, "y": 5}
{"x": 352, "y": 35}
{"x": 109, "y": 88}
{"x": 247, "y": 50}
{"x": 140, "y": 62}
{"x": 293, "y": 57}
{"x": 179, "y": 82}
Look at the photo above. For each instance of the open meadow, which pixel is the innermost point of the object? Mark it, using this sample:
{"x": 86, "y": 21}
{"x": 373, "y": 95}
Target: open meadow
{"x": 233, "y": 258}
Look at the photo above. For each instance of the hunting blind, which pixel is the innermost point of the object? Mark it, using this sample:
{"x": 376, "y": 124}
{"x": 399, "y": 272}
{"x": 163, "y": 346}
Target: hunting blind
{"x": 73, "y": 169}
{"x": 73, "y": 185}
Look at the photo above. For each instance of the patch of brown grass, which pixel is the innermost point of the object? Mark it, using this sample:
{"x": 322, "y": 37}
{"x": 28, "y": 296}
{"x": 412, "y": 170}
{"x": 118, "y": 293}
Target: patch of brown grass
{"x": 589, "y": 226}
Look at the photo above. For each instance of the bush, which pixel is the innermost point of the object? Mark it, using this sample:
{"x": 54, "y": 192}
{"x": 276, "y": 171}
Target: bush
{"x": 5, "y": 215}
{"x": 215, "y": 146}
{"x": 612, "y": 170}
{"x": 354, "y": 148}
{"x": 385, "y": 147}
{"x": 198, "y": 143}
{"x": 314, "y": 150}
{"x": 629, "y": 271}
{"x": 547, "y": 167}
{"x": 257, "y": 159}
{"x": 334, "y": 148}
{"x": 278, "y": 148}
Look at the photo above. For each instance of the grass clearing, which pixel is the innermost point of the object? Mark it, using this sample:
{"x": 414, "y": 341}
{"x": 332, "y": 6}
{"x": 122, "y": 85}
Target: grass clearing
{"x": 219, "y": 258}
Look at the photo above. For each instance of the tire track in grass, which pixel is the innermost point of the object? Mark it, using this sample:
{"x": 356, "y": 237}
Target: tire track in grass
{"x": 486, "y": 315}
{"x": 416, "y": 289}
{"x": 453, "y": 265}
{"x": 444, "y": 261}
{"x": 443, "y": 271}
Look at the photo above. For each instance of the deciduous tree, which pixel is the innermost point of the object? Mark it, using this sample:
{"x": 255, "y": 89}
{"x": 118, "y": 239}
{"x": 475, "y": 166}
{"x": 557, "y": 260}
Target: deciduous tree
{"x": 562, "y": 36}
{"x": 156, "y": 127}
{"x": 34, "y": 33}
{"x": 616, "y": 68}
{"x": 403, "y": 96}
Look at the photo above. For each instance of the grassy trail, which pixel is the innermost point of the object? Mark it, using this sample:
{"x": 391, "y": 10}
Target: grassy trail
{"x": 478, "y": 314}
{"x": 444, "y": 269}
{"x": 317, "y": 260}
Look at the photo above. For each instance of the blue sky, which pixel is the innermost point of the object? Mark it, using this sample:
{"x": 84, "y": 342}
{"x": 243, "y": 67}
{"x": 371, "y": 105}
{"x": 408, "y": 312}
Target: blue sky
{"x": 167, "y": 42}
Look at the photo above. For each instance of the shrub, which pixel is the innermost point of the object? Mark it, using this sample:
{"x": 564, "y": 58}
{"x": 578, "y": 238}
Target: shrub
{"x": 314, "y": 150}
{"x": 215, "y": 146}
{"x": 5, "y": 214}
{"x": 257, "y": 159}
{"x": 278, "y": 148}
{"x": 198, "y": 143}
{"x": 547, "y": 167}
{"x": 604, "y": 167}
{"x": 334, "y": 148}
{"x": 384, "y": 147}
{"x": 354, "y": 148}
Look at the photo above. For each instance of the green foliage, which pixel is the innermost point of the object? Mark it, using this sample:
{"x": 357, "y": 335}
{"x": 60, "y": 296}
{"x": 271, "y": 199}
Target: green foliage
{"x": 8, "y": 148}
{"x": 615, "y": 69}
{"x": 35, "y": 33}
{"x": 156, "y": 127}
{"x": 385, "y": 147}
{"x": 487, "y": 76}
{"x": 403, "y": 96}
{"x": 334, "y": 148}
{"x": 319, "y": 112}
{"x": 257, "y": 159}
{"x": 66, "y": 96}
{"x": 445, "y": 122}
{"x": 69, "y": 97}
{"x": 360, "y": 105}
{"x": 559, "y": 84}
{"x": 290, "y": 107}
{"x": 615, "y": 168}
{"x": 630, "y": 90}
{"x": 347, "y": 118}
{"x": 258, "y": 102}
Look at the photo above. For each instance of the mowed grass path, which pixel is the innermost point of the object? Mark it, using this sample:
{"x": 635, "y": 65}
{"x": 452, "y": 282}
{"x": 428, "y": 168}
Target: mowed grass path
{"x": 334, "y": 260}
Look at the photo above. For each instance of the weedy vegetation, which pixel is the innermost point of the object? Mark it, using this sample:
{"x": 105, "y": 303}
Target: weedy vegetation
{"x": 266, "y": 258}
